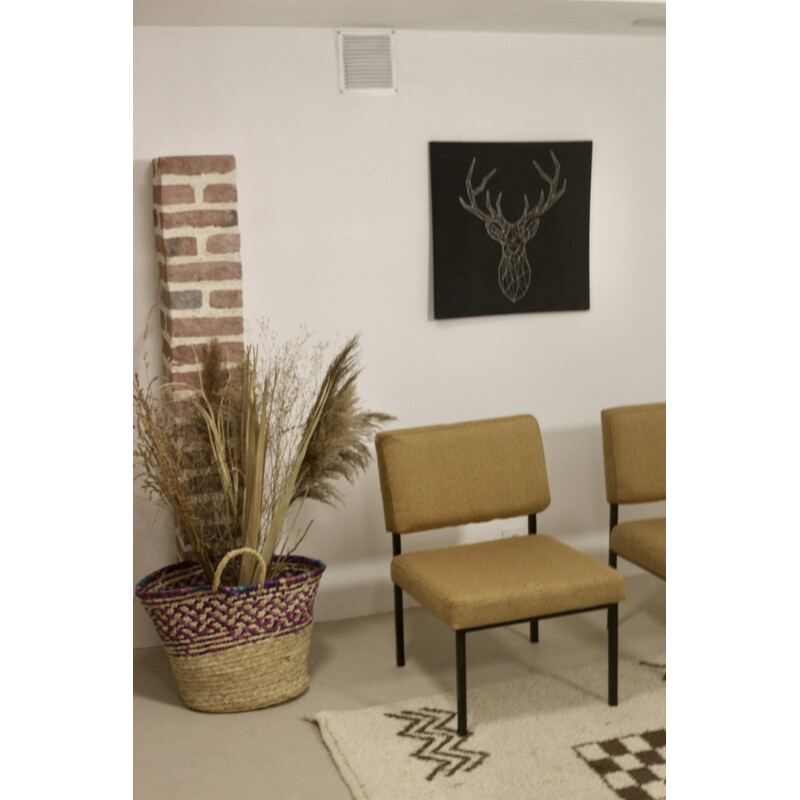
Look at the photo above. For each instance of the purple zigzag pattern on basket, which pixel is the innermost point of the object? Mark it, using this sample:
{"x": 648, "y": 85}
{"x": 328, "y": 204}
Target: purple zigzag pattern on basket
{"x": 193, "y": 620}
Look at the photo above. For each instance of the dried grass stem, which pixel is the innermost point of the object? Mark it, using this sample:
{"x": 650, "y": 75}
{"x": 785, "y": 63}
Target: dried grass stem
{"x": 260, "y": 438}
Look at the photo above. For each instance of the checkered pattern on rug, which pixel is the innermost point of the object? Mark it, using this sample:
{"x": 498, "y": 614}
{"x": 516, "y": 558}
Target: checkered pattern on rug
{"x": 633, "y": 766}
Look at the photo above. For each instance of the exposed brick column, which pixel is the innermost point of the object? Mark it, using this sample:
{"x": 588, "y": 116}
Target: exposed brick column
{"x": 197, "y": 246}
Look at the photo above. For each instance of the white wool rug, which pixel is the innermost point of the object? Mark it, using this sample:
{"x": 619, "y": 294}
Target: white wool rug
{"x": 548, "y": 737}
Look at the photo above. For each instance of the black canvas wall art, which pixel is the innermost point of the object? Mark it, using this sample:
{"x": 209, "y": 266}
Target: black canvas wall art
{"x": 510, "y": 227}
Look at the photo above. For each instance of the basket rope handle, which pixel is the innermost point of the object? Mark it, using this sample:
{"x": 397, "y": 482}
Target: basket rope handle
{"x": 262, "y": 566}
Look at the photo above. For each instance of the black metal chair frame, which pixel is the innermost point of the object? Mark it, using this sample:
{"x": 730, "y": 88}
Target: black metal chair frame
{"x": 461, "y": 648}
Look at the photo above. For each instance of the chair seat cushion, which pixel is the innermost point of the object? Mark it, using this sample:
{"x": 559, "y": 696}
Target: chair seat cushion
{"x": 500, "y": 581}
{"x": 644, "y": 542}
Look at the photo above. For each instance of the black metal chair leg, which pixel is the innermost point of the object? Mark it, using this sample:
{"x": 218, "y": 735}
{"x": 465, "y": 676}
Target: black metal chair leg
{"x": 612, "y": 562}
{"x": 398, "y": 627}
{"x": 534, "y": 630}
{"x": 613, "y": 653}
{"x": 461, "y": 681}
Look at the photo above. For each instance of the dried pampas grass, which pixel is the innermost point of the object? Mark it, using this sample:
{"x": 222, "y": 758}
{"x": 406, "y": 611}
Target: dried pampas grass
{"x": 256, "y": 441}
{"x": 337, "y": 445}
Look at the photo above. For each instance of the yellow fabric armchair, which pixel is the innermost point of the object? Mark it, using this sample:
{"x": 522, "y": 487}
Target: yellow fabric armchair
{"x": 449, "y": 475}
{"x": 635, "y": 459}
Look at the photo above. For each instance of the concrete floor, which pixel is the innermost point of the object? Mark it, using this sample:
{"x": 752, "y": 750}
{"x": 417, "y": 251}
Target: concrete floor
{"x": 275, "y": 753}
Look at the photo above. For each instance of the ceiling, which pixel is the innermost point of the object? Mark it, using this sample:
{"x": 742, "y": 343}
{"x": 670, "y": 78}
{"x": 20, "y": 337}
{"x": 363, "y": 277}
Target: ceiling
{"x": 523, "y": 16}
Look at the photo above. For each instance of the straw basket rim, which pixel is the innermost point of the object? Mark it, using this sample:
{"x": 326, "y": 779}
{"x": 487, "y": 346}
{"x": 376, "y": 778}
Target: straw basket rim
{"x": 147, "y": 588}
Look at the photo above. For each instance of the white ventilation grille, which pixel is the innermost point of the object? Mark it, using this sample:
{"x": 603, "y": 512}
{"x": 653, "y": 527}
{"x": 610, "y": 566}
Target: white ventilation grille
{"x": 366, "y": 62}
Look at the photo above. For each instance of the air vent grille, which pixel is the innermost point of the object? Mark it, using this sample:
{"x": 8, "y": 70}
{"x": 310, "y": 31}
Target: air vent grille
{"x": 366, "y": 62}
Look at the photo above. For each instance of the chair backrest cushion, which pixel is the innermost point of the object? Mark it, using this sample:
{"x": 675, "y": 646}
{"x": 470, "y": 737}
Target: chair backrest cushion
{"x": 635, "y": 452}
{"x": 443, "y": 475}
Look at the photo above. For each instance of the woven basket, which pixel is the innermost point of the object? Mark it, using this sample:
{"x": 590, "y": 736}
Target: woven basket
{"x": 235, "y": 648}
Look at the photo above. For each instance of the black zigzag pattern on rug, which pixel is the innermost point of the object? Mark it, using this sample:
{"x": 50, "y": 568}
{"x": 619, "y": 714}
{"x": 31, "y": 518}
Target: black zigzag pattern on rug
{"x": 440, "y": 742}
{"x": 659, "y": 667}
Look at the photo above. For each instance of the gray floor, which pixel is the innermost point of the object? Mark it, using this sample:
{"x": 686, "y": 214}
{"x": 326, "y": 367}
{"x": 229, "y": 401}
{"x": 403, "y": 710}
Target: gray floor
{"x": 275, "y": 753}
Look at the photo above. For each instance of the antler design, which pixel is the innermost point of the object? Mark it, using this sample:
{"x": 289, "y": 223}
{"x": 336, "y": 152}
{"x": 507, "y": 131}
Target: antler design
{"x": 514, "y": 272}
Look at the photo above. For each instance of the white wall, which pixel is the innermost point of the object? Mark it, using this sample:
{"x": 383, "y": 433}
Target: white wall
{"x": 335, "y": 222}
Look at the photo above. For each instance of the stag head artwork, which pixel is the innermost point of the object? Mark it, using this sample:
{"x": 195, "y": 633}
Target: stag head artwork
{"x": 514, "y": 271}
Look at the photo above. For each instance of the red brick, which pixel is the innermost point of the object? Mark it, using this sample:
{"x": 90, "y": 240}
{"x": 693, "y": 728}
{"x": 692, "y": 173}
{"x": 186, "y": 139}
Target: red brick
{"x": 192, "y": 165}
{"x": 203, "y": 271}
{"x": 226, "y": 218}
{"x": 176, "y": 246}
{"x": 206, "y": 326}
{"x": 196, "y": 353}
{"x": 180, "y": 409}
{"x": 220, "y": 193}
{"x": 234, "y": 351}
{"x": 183, "y": 381}
{"x": 223, "y": 243}
{"x": 182, "y": 300}
{"x": 225, "y": 298}
{"x": 189, "y": 354}
{"x": 170, "y": 195}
